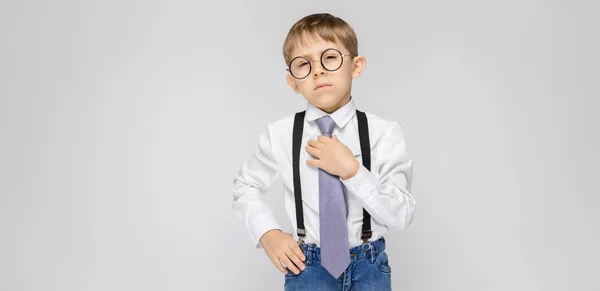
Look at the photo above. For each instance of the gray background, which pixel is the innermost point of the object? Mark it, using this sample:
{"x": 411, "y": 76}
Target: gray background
{"x": 123, "y": 124}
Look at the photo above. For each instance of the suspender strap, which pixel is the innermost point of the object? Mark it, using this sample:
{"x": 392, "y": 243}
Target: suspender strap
{"x": 365, "y": 148}
{"x": 296, "y": 143}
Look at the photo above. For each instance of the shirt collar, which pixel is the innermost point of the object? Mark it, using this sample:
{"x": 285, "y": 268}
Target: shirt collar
{"x": 340, "y": 116}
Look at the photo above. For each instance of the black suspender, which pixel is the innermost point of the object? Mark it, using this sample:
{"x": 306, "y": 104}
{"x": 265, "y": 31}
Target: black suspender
{"x": 296, "y": 144}
{"x": 365, "y": 148}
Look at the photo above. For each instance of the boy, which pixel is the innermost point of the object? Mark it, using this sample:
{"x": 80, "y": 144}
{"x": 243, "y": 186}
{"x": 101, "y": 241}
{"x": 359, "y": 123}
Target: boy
{"x": 346, "y": 173}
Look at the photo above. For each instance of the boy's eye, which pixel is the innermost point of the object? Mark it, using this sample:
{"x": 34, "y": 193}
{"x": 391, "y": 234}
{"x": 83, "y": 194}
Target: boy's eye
{"x": 302, "y": 64}
{"x": 330, "y": 57}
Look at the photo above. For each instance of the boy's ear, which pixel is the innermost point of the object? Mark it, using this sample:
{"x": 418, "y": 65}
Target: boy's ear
{"x": 359, "y": 65}
{"x": 292, "y": 83}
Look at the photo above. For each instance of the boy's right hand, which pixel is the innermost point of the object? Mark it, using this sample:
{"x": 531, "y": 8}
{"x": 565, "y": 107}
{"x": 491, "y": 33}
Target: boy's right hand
{"x": 281, "y": 247}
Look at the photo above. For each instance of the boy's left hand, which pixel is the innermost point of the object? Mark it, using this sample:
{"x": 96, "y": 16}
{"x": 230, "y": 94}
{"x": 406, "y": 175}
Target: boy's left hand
{"x": 332, "y": 156}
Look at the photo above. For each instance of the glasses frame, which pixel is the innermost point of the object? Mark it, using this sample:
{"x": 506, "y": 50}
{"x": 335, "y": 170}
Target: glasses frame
{"x": 289, "y": 69}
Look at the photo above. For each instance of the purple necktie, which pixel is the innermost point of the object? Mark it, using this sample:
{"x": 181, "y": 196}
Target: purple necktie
{"x": 335, "y": 255}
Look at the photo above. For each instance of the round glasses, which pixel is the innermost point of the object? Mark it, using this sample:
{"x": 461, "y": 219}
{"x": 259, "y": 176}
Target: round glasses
{"x": 331, "y": 60}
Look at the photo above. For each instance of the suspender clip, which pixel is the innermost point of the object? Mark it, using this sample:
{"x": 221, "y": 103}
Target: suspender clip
{"x": 301, "y": 235}
{"x": 366, "y": 235}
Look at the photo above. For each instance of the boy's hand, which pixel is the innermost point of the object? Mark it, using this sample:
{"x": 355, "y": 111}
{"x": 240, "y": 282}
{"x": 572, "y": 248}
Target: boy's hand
{"x": 332, "y": 156}
{"x": 281, "y": 247}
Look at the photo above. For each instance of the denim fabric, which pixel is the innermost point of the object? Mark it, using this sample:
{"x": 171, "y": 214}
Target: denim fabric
{"x": 368, "y": 270}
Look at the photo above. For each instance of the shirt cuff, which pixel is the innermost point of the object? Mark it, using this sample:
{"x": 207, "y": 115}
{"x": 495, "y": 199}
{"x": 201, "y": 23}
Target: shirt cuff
{"x": 260, "y": 225}
{"x": 362, "y": 184}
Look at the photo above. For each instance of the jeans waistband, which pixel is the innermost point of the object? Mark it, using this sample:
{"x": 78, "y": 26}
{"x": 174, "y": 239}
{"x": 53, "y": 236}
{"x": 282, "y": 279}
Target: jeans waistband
{"x": 369, "y": 250}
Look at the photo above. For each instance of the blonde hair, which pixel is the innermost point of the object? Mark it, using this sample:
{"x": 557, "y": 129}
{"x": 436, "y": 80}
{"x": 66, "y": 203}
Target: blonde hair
{"x": 320, "y": 25}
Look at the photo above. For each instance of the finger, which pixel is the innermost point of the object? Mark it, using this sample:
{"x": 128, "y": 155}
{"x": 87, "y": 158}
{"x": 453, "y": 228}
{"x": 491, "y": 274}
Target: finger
{"x": 314, "y": 163}
{"x": 324, "y": 139}
{"x": 278, "y": 265}
{"x": 296, "y": 249}
{"x": 315, "y": 144}
{"x": 313, "y": 151}
{"x": 335, "y": 138}
{"x": 284, "y": 258}
{"x": 295, "y": 259}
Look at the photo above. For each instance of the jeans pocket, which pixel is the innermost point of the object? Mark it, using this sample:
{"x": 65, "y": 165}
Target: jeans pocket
{"x": 382, "y": 263}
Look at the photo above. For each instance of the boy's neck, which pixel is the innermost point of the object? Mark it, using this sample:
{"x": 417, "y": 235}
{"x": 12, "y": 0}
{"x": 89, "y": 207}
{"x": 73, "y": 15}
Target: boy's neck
{"x": 343, "y": 102}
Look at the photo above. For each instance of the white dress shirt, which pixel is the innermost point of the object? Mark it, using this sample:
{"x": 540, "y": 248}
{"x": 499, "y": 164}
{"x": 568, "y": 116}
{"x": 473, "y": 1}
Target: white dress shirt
{"x": 384, "y": 191}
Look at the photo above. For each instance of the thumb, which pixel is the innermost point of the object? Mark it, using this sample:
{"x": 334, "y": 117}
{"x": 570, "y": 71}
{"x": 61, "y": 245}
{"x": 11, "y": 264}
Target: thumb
{"x": 335, "y": 137}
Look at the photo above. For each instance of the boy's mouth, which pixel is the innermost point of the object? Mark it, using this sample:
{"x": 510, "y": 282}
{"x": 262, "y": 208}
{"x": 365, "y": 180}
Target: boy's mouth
{"x": 323, "y": 85}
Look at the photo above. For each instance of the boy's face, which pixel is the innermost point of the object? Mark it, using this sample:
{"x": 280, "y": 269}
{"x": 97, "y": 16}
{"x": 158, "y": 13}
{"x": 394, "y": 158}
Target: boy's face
{"x": 327, "y": 90}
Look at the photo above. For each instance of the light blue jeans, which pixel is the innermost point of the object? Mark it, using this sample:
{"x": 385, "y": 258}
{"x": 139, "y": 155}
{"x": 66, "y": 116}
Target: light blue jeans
{"x": 368, "y": 270}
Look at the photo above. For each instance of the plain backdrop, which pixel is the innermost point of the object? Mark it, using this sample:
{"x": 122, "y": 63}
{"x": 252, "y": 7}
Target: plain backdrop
{"x": 123, "y": 123}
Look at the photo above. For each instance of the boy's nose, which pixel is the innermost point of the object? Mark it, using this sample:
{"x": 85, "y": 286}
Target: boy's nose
{"x": 318, "y": 69}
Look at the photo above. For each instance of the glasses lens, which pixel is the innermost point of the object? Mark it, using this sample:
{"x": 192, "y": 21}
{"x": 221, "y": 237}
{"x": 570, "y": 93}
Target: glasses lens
{"x": 300, "y": 67}
{"x": 332, "y": 59}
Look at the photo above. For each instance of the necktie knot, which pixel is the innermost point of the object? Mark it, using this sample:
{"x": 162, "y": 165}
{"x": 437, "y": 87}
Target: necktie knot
{"x": 326, "y": 124}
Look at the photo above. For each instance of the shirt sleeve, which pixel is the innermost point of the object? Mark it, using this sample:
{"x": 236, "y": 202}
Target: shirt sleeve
{"x": 250, "y": 184}
{"x": 385, "y": 190}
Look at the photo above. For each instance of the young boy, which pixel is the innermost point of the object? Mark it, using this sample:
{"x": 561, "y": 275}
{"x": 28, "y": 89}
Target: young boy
{"x": 346, "y": 173}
